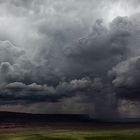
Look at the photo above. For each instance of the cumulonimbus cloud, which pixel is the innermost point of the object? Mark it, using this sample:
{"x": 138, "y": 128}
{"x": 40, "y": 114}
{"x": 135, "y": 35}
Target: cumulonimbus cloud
{"x": 58, "y": 53}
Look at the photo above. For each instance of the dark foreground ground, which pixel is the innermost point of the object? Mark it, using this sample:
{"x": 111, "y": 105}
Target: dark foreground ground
{"x": 66, "y": 127}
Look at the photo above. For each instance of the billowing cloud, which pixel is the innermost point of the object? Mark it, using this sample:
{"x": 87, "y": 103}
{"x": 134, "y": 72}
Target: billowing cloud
{"x": 21, "y": 93}
{"x": 69, "y": 56}
{"x": 126, "y": 78}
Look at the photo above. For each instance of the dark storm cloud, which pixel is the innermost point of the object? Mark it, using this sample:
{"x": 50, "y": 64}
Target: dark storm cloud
{"x": 62, "y": 54}
{"x": 55, "y": 70}
{"x": 126, "y": 78}
{"x": 89, "y": 54}
{"x": 21, "y": 93}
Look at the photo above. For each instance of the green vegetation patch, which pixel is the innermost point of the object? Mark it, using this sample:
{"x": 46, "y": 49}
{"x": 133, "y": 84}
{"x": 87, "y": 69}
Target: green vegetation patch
{"x": 41, "y": 137}
{"x": 42, "y": 134}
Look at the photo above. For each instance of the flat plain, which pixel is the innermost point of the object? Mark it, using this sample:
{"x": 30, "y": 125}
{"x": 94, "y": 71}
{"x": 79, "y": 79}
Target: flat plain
{"x": 70, "y": 131}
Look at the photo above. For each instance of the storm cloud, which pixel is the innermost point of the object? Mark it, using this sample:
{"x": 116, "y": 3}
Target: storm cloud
{"x": 72, "y": 56}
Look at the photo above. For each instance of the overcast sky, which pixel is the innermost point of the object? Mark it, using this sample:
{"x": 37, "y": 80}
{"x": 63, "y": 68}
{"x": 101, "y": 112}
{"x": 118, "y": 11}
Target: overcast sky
{"x": 70, "y": 56}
